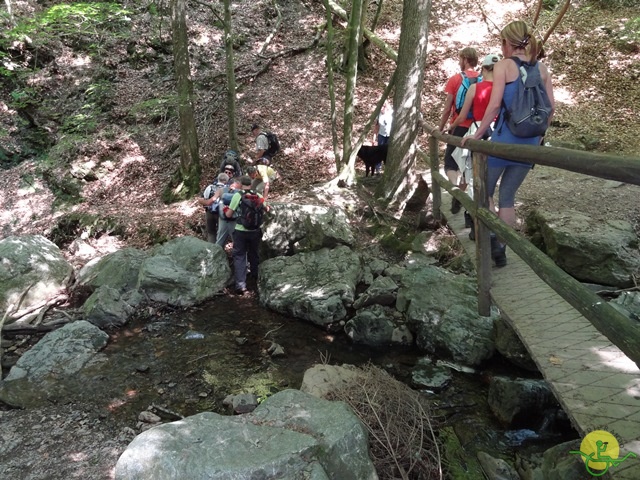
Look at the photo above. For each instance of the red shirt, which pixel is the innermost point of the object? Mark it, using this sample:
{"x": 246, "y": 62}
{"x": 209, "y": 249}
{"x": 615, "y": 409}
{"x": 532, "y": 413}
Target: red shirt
{"x": 452, "y": 87}
{"x": 481, "y": 99}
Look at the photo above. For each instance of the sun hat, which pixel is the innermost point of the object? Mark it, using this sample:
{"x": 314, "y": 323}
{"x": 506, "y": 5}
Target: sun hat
{"x": 491, "y": 59}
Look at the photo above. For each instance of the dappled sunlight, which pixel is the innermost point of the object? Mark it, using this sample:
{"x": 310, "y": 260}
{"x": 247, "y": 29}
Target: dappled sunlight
{"x": 614, "y": 358}
{"x": 78, "y": 457}
{"x": 563, "y": 95}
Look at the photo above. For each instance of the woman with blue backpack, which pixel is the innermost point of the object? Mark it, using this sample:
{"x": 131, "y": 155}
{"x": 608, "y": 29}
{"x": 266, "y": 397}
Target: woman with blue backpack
{"x": 522, "y": 99}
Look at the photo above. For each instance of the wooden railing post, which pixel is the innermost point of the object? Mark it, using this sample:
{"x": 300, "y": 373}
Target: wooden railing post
{"x": 483, "y": 242}
{"x": 434, "y": 163}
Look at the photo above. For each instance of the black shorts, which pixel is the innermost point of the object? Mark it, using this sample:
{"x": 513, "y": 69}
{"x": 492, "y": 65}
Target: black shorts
{"x": 449, "y": 162}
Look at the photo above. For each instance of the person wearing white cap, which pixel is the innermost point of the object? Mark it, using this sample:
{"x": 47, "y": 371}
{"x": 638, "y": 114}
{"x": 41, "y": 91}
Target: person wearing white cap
{"x": 475, "y": 102}
{"x": 479, "y": 93}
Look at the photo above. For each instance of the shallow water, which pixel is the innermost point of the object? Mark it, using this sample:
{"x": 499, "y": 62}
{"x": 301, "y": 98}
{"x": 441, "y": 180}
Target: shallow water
{"x": 188, "y": 361}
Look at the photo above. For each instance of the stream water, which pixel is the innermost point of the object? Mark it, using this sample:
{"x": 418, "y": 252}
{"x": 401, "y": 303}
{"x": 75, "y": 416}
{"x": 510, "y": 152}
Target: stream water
{"x": 189, "y": 361}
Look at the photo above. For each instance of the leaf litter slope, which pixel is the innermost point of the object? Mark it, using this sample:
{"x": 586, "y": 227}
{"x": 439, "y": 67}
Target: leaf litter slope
{"x": 598, "y": 100}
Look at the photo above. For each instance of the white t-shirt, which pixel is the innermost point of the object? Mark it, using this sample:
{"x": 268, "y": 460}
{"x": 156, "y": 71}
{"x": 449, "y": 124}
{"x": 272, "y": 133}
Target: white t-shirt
{"x": 384, "y": 122}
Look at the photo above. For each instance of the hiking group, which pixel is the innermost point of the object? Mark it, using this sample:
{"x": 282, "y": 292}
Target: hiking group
{"x": 511, "y": 101}
{"x": 235, "y": 205}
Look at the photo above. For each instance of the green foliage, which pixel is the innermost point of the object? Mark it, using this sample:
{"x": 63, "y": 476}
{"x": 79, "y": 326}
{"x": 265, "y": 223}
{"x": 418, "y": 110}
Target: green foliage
{"x": 66, "y": 190}
{"x": 64, "y": 151}
{"x": 155, "y": 110}
{"x": 83, "y": 225}
{"x": 627, "y": 39}
{"x": 613, "y": 4}
{"x": 71, "y": 19}
{"x": 22, "y": 98}
{"x": 80, "y": 24}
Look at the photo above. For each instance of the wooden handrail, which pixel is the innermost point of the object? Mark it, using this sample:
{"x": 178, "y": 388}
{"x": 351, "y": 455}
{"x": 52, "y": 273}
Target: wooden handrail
{"x": 617, "y": 327}
{"x": 611, "y": 167}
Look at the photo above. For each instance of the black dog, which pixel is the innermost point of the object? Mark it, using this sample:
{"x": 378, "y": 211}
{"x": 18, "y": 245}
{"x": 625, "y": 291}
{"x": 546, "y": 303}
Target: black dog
{"x": 371, "y": 155}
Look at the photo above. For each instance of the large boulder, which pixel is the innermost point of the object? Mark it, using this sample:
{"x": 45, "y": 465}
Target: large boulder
{"x": 604, "y": 253}
{"x": 377, "y": 326}
{"x": 40, "y": 374}
{"x": 184, "y": 271}
{"x": 32, "y": 271}
{"x": 291, "y": 435}
{"x": 441, "y": 308}
{"x": 315, "y": 286}
{"x": 293, "y": 228}
{"x": 511, "y": 347}
{"x": 520, "y": 402}
{"x": 118, "y": 270}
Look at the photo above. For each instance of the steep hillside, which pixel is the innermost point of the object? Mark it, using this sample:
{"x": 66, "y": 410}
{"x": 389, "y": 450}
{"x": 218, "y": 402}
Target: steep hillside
{"x": 90, "y": 129}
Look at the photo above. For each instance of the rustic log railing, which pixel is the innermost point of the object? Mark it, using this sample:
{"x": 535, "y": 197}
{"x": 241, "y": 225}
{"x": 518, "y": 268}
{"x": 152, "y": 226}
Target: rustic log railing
{"x": 617, "y": 327}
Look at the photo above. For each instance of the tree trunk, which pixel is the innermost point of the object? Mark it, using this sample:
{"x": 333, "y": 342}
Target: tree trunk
{"x": 398, "y": 184}
{"x": 362, "y": 44}
{"x": 231, "y": 79}
{"x": 349, "y": 171}
{"x": 332, "y": 90}
{"x": 187, "y": 181}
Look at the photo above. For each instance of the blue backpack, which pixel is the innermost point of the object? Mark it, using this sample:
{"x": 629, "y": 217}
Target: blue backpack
{"x": 462, "y": 91}
{"x": 529, "y": 112}
{"x": 225, "y": 201}
{"x": 209, "y": 192}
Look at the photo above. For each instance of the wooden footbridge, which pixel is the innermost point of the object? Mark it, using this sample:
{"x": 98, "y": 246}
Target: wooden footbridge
{"x": 586, "y": 350}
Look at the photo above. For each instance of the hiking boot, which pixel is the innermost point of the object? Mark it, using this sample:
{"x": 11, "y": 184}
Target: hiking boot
{"x": 498, "y": 252}
{"x": 455, "y": 205}
{"x": 468, "y": 221}
{"x": 241, "y": 291}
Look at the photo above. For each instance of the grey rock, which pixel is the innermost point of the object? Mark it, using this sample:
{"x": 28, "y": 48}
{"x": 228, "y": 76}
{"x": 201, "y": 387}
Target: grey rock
{"x": 441, "y": 309}
{"x": 184, "y": 272}
{"x": 34, "y": 265}
{"x": 315, "y": 286}
{"x": 382, "y": 291}
{"x": 432, "y": 377}
{"x": 292, "y": 435}
{"x": 118, "y": 270}
{"x": 519, "y": 401}
{"x": 496, "y": 468}
{"x": 108, "y": 307}
{"x": 376, "y": 326}
{"x": 343, "y": 439}
{"x": 293, "y": 228}
{"x": 591, "y": 251}
{"x": 40, "y": 373}
{"x": 511, "y": 347}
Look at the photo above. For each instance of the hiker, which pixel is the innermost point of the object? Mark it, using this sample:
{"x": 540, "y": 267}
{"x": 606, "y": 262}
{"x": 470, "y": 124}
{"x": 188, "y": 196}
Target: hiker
{"x": 248, "y": 206}
{"x": 209, "y": 202}
{"x": 262, "y": 175}
{"x": 475, "y": 105}
{"x": 455, "y": 89}
{"x": 518, "y": 41}
{"x": 267, "y": 144}
{"x": 231, "y": 159}
{"x": 226, "y": 225}
{"x": 382, "y": 129}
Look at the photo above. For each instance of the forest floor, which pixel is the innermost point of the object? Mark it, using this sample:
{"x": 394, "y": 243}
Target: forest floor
{"x": 596, "y": 87}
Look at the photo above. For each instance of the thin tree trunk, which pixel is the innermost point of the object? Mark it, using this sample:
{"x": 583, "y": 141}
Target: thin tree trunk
{"x": 349, "y": 95}
{"x": 231, "y": 79}
{"x": 187, "y": 181}
{"x": 362, "y": 51}
{"x": 397, "y": 183}
{"x": 376, "y": 17}
{"x": 332, "y": 90}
